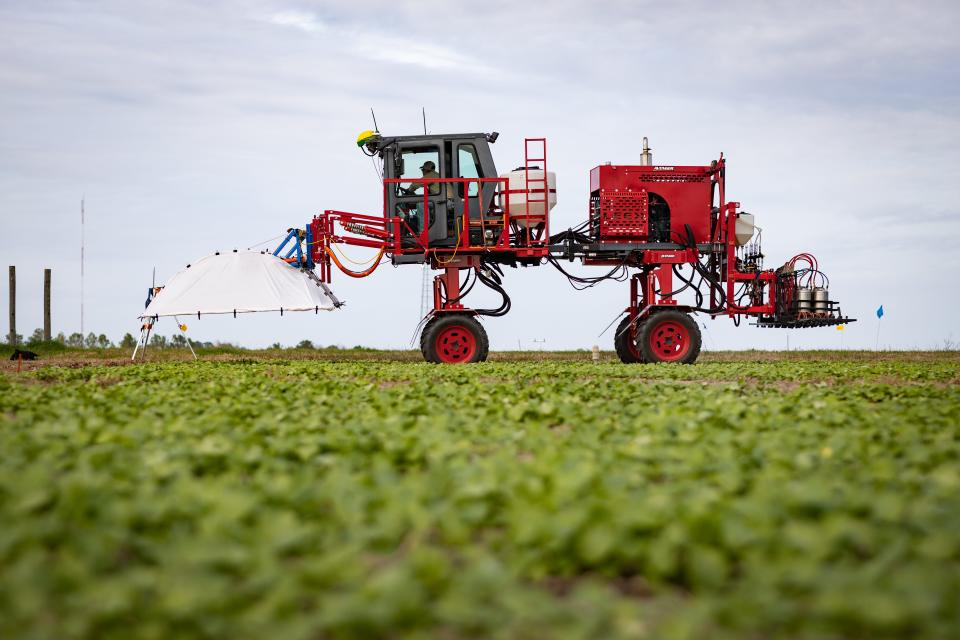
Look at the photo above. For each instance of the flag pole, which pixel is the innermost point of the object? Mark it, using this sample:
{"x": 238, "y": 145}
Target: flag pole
{"x": 876, "y": 343}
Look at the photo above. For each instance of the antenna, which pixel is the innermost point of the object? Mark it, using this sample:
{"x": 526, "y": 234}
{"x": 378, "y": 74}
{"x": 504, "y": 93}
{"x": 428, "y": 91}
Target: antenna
{"x": 424, "y": 110}
{"x": 374, "y": 116}
{"x": 82, "y": 224}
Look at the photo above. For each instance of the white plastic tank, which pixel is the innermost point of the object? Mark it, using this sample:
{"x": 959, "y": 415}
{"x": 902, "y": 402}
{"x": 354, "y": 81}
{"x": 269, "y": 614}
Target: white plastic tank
{"x": 524, "y": 203}
{"x": 744, "y": 228}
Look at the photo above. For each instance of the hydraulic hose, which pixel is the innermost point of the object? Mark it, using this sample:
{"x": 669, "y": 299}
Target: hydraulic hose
{"x": 355, "y": 274}
{"x": 494, "y": 283}
{"x": 467, "y": 288}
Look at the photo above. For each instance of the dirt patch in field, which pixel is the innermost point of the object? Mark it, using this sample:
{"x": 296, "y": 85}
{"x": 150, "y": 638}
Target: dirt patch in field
{"x": 107, "y": 381}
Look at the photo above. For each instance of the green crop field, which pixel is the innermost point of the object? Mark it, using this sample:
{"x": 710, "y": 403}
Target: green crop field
{"x": 747, "y": 497}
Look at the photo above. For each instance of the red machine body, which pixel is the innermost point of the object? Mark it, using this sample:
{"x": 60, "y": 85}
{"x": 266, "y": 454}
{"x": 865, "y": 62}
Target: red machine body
{"x": 654, "y": 220}
{"x": 621, "y": 204}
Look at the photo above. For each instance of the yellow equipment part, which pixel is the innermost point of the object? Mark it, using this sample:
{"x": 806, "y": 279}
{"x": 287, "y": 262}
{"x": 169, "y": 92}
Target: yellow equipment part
{"x": 364, "y": 136}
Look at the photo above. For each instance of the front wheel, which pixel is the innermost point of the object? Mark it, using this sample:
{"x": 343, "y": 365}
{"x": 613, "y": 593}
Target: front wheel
{"x": 454, "y": 338}
{"x": 670, "y": 336}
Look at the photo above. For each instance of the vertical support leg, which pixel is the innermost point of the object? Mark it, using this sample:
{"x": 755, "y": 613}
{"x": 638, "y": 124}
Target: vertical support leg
{"x": 633, "y": 309}
{"x": 146, "y": 340}
{"x": 13, "y": 305}
{"x": 664, "y": 275}
{"x": 447, "y": 283}
{"x": 46, "y": 305}
{"x": 141, "y": 342}
{"x": 648, "y": 294}
{"x": 191, "y": 349}
{"x": 714, "y": 270}
{"x": 136, "y": 347}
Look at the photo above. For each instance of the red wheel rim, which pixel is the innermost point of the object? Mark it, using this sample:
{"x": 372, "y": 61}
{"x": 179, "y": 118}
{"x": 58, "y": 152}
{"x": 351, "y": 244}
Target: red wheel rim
{"x": 456, "y": 344}
{"x": 669, "y": 341}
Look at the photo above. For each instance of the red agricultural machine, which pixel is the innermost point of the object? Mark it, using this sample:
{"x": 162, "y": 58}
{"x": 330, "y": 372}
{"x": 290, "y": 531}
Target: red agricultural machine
{"x": 665, "y": 229}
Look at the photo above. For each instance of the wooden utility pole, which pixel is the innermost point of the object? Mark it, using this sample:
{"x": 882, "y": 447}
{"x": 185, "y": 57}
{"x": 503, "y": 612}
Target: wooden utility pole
{"x": 82, "y": 242}
{"x": 13, "y": 305}
{"x": 46, "y": 304}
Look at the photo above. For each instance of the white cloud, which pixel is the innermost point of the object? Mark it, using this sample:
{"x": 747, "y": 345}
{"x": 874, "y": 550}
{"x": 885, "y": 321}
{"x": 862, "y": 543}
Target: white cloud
{"x": 379, "y": 46}
{"x": 298, "y": 19}
{"x": 417, "y": 54}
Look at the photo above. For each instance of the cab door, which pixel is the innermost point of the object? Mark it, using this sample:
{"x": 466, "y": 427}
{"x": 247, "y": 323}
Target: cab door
{"x": 412, "y": 162}
{"x": 466, "y": 163}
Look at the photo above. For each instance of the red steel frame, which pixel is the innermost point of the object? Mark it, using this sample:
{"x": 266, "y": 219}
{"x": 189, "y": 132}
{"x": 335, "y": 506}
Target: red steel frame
{"x": 643, "y": 286}
{"x": 386, "y": 233}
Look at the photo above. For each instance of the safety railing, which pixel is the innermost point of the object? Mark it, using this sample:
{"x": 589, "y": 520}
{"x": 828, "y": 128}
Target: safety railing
{"x": 499, "y": 222}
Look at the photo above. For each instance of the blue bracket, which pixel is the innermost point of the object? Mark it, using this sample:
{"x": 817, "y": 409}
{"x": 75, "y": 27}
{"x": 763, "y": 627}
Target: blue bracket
{"x": 295, "y": 249}
{"x": 290, "y": 236}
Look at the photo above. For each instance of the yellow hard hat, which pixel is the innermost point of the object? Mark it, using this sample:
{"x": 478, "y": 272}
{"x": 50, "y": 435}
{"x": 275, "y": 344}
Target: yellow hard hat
{"x": 366, "y": 136}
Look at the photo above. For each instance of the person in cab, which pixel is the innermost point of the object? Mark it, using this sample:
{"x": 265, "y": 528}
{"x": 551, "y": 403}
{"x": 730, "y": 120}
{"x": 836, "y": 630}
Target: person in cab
{"x": 429, "y": 170}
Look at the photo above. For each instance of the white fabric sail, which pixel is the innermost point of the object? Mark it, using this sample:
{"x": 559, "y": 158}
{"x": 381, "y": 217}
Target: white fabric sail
{"x": 241, "y": 282}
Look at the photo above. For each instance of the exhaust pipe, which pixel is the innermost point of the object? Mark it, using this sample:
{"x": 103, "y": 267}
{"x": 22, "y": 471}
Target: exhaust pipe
{"x": 646, "y": 158}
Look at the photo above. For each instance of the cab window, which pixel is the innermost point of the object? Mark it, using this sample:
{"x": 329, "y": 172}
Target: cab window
{"x": 469, "y": 165}
{"x": 417, "y": 163}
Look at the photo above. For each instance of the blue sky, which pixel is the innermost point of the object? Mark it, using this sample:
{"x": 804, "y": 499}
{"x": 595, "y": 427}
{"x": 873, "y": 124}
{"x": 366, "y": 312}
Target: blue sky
{"x": 195, "y": 127}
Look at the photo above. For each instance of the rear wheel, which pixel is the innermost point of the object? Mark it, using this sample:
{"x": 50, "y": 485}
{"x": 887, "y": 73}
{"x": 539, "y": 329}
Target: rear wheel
{"x": 454, "y": 338}
{"x": 626, "y": 341}
{"x": 670, "y": 336}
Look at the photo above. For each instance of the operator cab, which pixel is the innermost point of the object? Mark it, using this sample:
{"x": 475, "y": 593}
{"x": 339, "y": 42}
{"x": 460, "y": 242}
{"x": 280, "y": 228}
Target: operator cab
{"x": 415, "y": 160}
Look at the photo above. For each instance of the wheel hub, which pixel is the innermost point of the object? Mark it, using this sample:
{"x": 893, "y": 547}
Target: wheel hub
{"x": 456, "y": 344}
{"x": 669, "y": 340}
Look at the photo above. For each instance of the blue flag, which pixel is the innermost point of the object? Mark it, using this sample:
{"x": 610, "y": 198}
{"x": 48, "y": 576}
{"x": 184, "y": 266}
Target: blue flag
{"x": 880, "y": 312}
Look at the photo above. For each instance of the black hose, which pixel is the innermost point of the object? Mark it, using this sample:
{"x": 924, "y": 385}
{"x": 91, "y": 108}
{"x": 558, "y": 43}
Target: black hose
{"x": 691, "y": 241}
{"x": 619, "y": 273}
{"x": 676, "y": 270}
{"x": 696, "y": 288}
{"x": 467, "y": 287}
{"x": 570, "y": 234}
{"x": 504, "y": 307}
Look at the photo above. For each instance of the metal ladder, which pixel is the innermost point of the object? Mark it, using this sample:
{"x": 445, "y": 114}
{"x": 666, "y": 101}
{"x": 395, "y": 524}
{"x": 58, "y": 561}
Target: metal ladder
{"x": 538, "y": 189}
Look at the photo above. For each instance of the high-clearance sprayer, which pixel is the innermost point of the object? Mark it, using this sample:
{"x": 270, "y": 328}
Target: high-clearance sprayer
{"x": 666, "y": 229}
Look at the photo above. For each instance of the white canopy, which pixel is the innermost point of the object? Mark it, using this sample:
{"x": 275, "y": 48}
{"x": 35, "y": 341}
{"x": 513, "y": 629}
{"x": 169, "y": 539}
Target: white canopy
{"x": 241, "y": 282}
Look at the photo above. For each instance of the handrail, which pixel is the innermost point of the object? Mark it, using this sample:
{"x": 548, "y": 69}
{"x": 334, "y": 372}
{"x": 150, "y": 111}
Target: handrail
{"x": 423, "y": 239}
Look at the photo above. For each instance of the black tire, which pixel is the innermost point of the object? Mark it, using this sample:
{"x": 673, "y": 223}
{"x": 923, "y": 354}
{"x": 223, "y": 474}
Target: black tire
{"x": 628, "y": 351}
{"x": 454, "y": 338}
{"x": 670, "y": 336}
{"x": 423, "y": 336}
